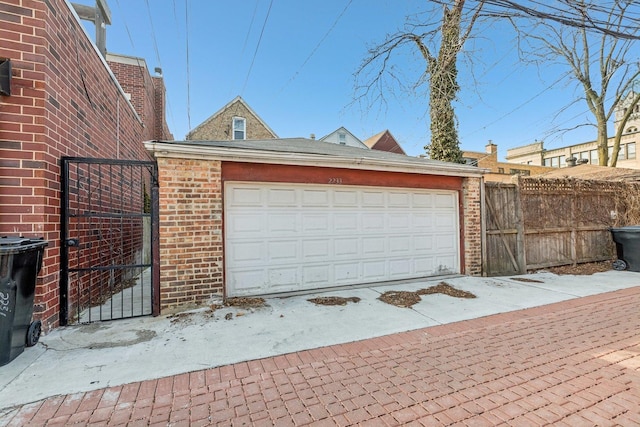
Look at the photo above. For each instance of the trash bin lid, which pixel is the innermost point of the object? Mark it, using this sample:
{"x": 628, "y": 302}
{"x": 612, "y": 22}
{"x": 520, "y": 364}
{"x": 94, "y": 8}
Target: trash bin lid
{"x": 10, "y": 245}
{"x": 631, "y": 228}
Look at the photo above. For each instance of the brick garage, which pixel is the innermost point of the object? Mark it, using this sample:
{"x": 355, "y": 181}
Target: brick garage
{"x": 65, "y": 101}
{"x": 197, "y": 181}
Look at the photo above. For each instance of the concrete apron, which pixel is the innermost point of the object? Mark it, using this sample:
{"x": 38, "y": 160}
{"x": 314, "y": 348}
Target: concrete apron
{"x": 98, "y": 355}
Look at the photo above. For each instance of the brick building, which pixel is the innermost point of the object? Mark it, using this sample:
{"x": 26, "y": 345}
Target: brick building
{"x": 64, "y": 99}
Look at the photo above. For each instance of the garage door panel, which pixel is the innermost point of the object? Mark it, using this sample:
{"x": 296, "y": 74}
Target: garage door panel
{"x": 346, "y": 272}
{"x": 423, "y": 244}
{"x": 373, "y": 246}
{"x": 345, "y": 198}
{"x": 315, "y": 249}
{"x": 315, "y": 223}
{"x": 284, "y": 277}
{"x": 399, "y": 268}
{"x": 424, "y": 265}
{"x": 399, "y": 245}
{"x": 346, "y": 247}
{"x": 372, "y": 222}
{"x": 246, "y": 282}
{"x": 247, "y": 196}
{"x": 286, "y": 237}
{"x": 373, "y": 199}
{"x": 282, "y": 197}
{"x": 314, "y": 276}
{"x": 248, "y": 224}
{"x": 248, "y": 251}
{"x": 282, "y": 223}
{"x": 283, "y": 251}
{"x": 346, "y": 222}
{"x": 374, "y": 270}
{"x": 315, "y": 198}
{"x": 399, "y": 221}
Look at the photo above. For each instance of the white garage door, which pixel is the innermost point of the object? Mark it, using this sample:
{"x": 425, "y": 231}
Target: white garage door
{"x": 291, "y": 237}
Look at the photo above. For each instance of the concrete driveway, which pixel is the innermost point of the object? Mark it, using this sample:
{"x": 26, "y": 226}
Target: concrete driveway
{"x": 90, "y": 357}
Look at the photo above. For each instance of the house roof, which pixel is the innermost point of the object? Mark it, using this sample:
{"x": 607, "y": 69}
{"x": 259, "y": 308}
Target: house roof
{"x": 341, "y": 128}
{"x": 384, "y": 141}
{"x": 308, "y": 152}
{"x": 594, "y": 172}
{"x": 229, "y": 104}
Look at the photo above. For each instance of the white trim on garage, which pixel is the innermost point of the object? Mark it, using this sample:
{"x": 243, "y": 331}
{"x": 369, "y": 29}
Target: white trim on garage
{"x": 283, "y": 237}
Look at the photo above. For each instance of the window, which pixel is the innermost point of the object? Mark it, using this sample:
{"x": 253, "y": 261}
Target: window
{"x": 239, "y": 128}
{"x": 555, "y": 162}
{"x": 547, "y": 162}
{"x": 342, "y": 138}
{"x": 563, "y": 161}
{"x": 631, "y": 150}
{"x": 594, "y": 157}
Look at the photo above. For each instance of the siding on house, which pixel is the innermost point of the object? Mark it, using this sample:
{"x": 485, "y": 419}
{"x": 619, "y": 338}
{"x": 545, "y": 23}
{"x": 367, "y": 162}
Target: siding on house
{"x": 65, "y": 101}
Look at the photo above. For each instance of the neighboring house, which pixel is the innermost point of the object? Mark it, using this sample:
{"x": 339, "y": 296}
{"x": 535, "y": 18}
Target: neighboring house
{"x": 234, "y": 121}
{"x": 587, "y": 152}
{"x": 63, "y": 99}
{"x": 499, "y": 171}
{"x": 289, "y": 215}
{"x": 384, "y": 141}
{"x": 342, "y": 136}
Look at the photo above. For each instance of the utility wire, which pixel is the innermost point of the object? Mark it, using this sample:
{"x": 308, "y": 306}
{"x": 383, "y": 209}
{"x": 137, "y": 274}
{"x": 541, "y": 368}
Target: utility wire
{"x": 255, "y": 53}
{"x": 316, "y": 47}
{"x": 153, "y": 34}
{"x": 186, "y": 17}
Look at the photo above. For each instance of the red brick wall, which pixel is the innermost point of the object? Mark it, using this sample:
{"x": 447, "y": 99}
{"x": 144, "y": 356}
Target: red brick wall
{"x": 191, "y": 266}
{"x": 472, "y": 226}
{"x": 64, "y": 102}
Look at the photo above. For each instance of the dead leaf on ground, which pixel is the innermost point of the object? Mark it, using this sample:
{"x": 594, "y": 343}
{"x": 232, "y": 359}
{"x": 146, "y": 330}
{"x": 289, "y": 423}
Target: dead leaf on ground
{"x": 446, "y": 289}
{"x": 400, "y": 298}
{"x": 240, "y": 302}
{"x": 586, "y": 269}
{"x": 333, "y": 300}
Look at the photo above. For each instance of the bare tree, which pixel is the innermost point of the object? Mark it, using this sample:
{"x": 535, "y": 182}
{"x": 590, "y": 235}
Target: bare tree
{"x": 595, "y": 41}
{"x": 439, "y": 47}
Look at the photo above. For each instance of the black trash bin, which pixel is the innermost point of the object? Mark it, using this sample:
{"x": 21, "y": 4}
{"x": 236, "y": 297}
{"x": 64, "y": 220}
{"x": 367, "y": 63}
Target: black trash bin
{"x": 20, "y": 263}
{"x": 627, "y": 241}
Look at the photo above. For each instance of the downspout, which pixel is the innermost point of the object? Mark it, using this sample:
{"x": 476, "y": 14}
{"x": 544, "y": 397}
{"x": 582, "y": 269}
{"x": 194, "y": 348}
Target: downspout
{"x": 118, "y": 128}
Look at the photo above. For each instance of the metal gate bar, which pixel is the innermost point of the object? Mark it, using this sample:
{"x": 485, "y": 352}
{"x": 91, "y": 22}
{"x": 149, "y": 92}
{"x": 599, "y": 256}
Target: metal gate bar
{"x": 109, "y": 262}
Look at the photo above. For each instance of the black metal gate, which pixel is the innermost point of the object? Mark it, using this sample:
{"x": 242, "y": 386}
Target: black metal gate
{"x": 109, "y": 252}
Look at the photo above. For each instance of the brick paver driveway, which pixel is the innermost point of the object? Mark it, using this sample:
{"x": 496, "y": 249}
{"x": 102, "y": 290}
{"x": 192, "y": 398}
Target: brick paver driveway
{"x": 572, "y": 363}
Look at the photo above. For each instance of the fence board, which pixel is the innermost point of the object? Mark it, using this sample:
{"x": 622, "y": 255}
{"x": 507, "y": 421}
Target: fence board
{"x": 539, "y": 223}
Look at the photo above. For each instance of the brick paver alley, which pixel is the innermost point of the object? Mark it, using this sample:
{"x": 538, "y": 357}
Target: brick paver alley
{"x": 573, "y": 363}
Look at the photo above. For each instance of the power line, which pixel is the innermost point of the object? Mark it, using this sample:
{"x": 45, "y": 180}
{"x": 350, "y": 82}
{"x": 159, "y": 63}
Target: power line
{"x": 153, "y": 34}
{"x": 186, "y": 17}
{"x": 313, "y": 51}
{"x": 255, "y": 53}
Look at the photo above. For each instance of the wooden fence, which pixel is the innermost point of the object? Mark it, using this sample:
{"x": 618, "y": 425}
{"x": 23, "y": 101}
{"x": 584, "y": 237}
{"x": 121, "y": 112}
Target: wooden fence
{"x": 538, "y": 223}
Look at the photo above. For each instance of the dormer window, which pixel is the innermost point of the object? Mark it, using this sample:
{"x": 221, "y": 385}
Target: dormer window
{"x": 342, "y": 138}
{"x": 239, "y": 128}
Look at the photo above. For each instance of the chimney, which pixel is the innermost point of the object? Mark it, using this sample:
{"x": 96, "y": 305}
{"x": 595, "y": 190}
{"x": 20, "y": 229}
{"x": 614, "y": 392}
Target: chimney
{"x": 312, "y": 136}
{"x": 491, "y": 148}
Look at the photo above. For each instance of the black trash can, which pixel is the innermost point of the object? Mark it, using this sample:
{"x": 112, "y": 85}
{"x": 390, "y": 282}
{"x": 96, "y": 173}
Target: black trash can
{"x": 627, "y": 241}
{"x": 20, "y": 263}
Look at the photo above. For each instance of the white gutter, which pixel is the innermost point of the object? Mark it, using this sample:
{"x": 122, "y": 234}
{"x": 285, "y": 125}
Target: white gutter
{"x": 202, "y": 152}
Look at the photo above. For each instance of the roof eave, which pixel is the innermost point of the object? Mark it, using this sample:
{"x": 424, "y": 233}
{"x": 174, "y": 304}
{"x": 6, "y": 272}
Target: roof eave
{"x": 172, "y": 150}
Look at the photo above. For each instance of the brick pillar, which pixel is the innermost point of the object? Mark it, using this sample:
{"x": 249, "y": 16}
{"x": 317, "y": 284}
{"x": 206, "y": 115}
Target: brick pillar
{"x": 191, "y": 258}
{"x": 472, "y": 226}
